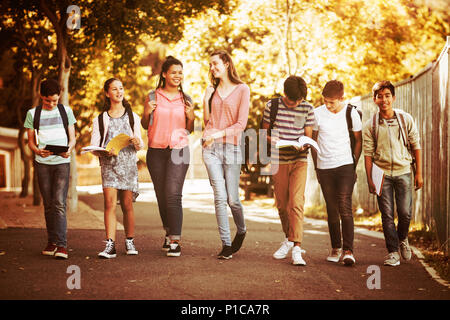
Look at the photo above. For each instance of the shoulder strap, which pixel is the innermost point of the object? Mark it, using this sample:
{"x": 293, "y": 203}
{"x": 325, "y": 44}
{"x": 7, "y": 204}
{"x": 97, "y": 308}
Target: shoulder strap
{"x": 273, "y": 112}
{"x": 101, "y": 127}
{"x": 130, "y": 118}
{"x": 375, "y": 129}
{"x": 403, "y": 130}
{"x": 348, "y": 116}
{"x": 37, "y": 118}
{"x": 65, "y": 120}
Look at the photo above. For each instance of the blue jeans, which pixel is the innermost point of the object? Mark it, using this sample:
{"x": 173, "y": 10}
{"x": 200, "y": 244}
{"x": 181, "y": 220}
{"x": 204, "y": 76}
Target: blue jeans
{"x": 337, "y": 188}
{"x": 400, "y": 187}
{"x": 168, "y": 180}
{"x": 54, "y": 183}
{"x": 223, "y": 163}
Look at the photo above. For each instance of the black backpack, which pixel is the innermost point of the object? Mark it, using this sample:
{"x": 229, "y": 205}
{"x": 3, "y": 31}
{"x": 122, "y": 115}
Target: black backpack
{"x": 101, "y": 125}
{"x": 63, "y": 114}
{"x": 348, "y": 116}
{"x": 273, "y": 115}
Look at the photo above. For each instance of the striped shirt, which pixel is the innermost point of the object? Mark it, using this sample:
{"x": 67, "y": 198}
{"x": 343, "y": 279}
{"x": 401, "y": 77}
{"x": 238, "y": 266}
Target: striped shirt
{"x": 290, "y": 124}
{"x": 51, "y": 131}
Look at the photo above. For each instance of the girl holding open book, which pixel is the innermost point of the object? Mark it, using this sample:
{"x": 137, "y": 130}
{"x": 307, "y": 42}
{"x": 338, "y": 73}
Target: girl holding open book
{"x": 118, "y": 167}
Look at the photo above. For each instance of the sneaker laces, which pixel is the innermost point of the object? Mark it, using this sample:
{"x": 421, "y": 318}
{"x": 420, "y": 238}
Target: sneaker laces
{"x": 109, "y": 246}
{"x": 173, "y": 245}
{"x": 130, "y": 244}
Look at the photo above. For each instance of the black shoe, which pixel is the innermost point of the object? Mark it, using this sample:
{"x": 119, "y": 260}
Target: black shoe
{"x": 166, "y": 244}
{"x": 226, "y": 253}
{"x": 237, "y": 242}
{"x": 174, "y": 250}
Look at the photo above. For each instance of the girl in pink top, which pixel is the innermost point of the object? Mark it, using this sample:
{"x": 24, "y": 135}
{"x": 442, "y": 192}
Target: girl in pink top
{"x": 169, "y": 117}
{"x": 226, "y": 108}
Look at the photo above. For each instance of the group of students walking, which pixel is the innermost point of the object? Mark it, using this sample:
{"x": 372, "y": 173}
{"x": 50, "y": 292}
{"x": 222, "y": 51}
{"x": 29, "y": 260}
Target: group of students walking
{"x": 390, "y": 140}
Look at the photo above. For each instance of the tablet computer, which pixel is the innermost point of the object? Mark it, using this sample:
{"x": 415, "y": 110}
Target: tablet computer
{"x": 56, "y": 149}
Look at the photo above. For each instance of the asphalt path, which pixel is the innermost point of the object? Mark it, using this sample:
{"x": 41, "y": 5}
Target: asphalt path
{"x": 252, "y": 273}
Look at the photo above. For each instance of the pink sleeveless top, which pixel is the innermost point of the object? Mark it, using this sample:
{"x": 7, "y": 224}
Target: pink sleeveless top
{"x": 169, "y": 123}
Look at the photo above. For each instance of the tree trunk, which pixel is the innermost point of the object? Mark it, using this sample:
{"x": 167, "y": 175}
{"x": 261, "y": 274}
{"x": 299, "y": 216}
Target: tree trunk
{"x": 36, "y": 190}
{"x": 288, "y": 35}
{"x": 26, "y": 163}
{"x": 65, "y": 65}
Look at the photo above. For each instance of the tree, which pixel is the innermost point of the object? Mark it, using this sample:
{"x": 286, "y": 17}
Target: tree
{"x": 117, "y": 27}
{"x": 358, "y": 42}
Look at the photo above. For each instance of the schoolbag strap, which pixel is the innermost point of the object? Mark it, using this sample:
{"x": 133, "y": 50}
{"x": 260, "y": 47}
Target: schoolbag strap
{"x": 375, "y": 129}
{"x": 65, "y": 120}
{"x": 37, "y": 118}
{"x": 130, "y": 118}
{"x": 402, "y": 128}
{"x": 101, "y": 127}
{"x": 348, "y": 115}
{"x": 273, "y": 113}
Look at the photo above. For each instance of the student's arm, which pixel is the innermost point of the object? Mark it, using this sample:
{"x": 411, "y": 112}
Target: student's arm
{"x": 358, "y": 144}
{"x": 315, "y": 134}
{"x": 95, "y": 134}
{"x": 369, "y": 151}
{"x": 136, "y": 140}
{"x": 368, "y": 165}
{"x": 190, "y": 116}
{"x": 149, "y": 107}
{"x": 72, "y": 142}
{"x": 209, "y": 91}
{"x": 418, "y": 179}
{"x": 33, "y": 145}
{"x": 414, "y": 140}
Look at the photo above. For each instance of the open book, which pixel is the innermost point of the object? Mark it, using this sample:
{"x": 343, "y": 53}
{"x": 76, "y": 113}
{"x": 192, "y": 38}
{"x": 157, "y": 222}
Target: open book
{"x": 116, "y": 144}
{"x": 302, "y": 141}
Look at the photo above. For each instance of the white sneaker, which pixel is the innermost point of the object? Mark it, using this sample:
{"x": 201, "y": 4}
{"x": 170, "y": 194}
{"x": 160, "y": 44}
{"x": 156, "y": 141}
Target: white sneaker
{"x": 335, "y": 255}
{"x": 282, "y": 253}
{"x": 405, "y": 250}
{"x": 349, "y": 259}
{"x": 131, "y": 249}
{"x": 297, "y": 257}
{"x": 110, "y": 250}
{"x": 392, "y": 259}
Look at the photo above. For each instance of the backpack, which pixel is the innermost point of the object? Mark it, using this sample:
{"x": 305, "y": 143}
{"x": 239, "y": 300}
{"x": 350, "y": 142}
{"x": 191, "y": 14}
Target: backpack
{"x": 402, "y": 127}
{"x": 101, "y": 125}
{"x": 273, "y": 115}
{"x": 348, "y": 116}
{"x": 63, "y": 114}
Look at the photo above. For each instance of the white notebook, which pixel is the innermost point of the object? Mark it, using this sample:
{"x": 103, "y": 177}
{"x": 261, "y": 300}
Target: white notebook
{"x": 377, "y": 178}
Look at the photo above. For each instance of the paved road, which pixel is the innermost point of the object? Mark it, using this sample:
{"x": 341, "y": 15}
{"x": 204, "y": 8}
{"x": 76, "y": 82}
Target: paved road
{"x": 198, "y": 274}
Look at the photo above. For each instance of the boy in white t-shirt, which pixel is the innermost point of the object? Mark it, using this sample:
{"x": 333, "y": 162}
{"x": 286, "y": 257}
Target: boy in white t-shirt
{"x": 335, "y": 166}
